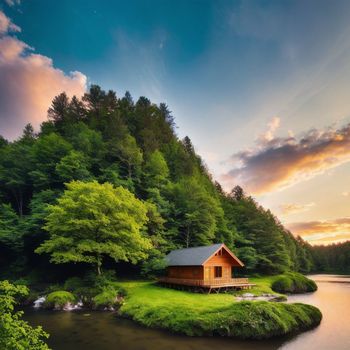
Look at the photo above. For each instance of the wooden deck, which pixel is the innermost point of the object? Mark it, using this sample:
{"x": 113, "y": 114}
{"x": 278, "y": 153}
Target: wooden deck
{"x": 208, "y": 284}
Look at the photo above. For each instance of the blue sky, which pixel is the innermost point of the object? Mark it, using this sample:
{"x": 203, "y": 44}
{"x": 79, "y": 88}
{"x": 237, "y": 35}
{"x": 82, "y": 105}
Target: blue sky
{"x": 246, "y": 80}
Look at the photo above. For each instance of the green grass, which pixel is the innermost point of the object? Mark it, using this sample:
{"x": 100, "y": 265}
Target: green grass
{"x": 214, "y": 314}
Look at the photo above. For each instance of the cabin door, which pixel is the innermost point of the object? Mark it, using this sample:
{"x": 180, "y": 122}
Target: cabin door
{"x": 207, "y": 273}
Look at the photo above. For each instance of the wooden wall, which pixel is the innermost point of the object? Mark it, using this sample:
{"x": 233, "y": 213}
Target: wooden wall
{"x": 188, "y": 272}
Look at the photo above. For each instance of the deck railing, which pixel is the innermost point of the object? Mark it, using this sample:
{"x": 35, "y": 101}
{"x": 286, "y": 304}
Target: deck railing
{"x": 205, "y": 282}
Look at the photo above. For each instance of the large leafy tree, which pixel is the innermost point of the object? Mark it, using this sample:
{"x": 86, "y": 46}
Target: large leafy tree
{"x": 91, "y": 221}
{"x": 16, "y": 334}
{"x": 46, "y": 153}
{"x": 74, "y": 166}
{"x": 196, "y": 213}
{"x": 156, "y": 170}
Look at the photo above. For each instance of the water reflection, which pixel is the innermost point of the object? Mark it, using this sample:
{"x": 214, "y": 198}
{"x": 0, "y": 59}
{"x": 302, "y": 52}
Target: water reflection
{"x": 333, "y": 299}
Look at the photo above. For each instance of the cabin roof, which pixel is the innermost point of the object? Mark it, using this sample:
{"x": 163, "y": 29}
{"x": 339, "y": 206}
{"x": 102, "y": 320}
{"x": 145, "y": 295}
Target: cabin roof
{"x": 195, "y": 256}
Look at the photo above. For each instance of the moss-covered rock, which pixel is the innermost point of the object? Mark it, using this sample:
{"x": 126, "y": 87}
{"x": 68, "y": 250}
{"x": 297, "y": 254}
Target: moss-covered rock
{"x": 59, "y": 299}
{"x": 293, "y": 282}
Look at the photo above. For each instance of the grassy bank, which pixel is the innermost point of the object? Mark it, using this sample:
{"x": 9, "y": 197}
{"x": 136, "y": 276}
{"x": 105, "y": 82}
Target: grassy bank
{"x": 214, "y": 314}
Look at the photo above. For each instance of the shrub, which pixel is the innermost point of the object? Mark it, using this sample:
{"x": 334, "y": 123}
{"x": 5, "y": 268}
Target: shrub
{"x": 59, "y": 299}
{"x": 53, "y": 288}
{"x": 15, "y": 333}
{"x": 293, "y": 282}
{"x": 74, "y": 284}
{"x": 96, "y": 291}
{"x": 109, "y": 297}
{"x": 154, "y": 266}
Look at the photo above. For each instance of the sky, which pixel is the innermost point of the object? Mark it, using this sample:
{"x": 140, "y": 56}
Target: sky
{"x": 262, "y": 88}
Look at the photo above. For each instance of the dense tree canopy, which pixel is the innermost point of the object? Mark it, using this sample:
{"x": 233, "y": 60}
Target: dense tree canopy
{"x": 93, "y": 152}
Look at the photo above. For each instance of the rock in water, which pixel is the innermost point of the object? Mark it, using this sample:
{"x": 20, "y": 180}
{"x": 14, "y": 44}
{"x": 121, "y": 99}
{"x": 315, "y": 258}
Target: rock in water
{"x": 39, "y": 302}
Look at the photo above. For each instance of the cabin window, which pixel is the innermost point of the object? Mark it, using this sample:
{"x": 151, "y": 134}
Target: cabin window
{"x": 218, "y": 271}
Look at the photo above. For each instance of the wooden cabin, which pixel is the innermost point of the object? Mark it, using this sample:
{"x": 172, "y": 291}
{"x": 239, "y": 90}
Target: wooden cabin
{"x": 204, "y": 268}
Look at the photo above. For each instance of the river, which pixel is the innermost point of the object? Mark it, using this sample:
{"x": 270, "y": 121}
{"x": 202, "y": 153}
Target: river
{"x": 103, "y": 331}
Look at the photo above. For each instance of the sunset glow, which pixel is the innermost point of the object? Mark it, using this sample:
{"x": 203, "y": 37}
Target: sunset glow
{"x": 264, "y": 98}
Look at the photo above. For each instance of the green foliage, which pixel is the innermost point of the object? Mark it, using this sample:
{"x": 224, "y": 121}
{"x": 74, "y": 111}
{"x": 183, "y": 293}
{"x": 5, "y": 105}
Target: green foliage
{"x": 129, "y": 154}
{"x": 208, "y": 315}
{"x": 91, "y": 221}
{"x": 156, "y": 170}
{"x": 16, "y": 334}
{"x": 73, "y": 166}
{"x": 97, "y": 291}
{"x": 107, "y": 298}
{"x": 134, "y": 146}
{"x": 197, "y": 213}
{"x": 15, "y": 166}
{"x": 332, "y": 258}
{"x": 10, "y": 232}
{"x": 73, "y": 284}
{"x": 293, "y": 283}
{"x": 154, "y": 266}
{"x": 59, "y": 299}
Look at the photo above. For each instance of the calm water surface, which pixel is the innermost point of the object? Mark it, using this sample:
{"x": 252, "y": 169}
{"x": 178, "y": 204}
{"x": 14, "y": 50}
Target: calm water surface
{"x": 103, "y": 331}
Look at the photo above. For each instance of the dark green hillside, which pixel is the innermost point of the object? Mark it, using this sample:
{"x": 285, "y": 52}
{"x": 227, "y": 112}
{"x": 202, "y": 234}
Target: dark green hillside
{"x": 105, "y": 138}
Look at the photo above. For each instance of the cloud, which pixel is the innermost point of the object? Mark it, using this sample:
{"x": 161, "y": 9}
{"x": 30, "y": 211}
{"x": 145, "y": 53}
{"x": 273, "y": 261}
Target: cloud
{"x": 6, "y": 24}
{"x": 330, "y": 239}
{"x": 345, "y": 194}
{"x": 283, "y": 162}
{"x": 28, "y": 83}
{"x": 292, "y": 208}
{"x": 317, "y": 232}
{"x": 269, "y": 135}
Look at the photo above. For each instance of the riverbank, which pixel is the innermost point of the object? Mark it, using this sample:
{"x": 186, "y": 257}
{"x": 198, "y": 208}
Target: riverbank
{"x": 214, "y": 314}
{"x": 93, "y": 330}
{"x": 240, "y": 314}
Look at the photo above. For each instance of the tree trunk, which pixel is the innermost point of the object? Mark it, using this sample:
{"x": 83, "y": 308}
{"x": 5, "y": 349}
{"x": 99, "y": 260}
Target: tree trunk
{"x": 98, "y": 265}
{"x": 129, "y": 171}
{"x": 187, "y": 237}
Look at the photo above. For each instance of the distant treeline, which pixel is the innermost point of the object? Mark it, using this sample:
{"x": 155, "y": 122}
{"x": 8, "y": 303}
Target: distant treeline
{"x": 105, "y": 138}
{"x": 332, "y": 258}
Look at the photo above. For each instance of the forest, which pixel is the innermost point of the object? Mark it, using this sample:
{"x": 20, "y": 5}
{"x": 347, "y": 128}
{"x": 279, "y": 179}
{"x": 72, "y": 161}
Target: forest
{"x": 121, "y": 163}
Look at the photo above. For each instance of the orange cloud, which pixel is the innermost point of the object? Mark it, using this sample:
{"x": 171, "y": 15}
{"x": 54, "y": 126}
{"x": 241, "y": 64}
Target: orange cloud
{"x": 331, "y": 239}
{"x": 318, "y": 232}
{"x": 291, "y": 208}
{"x": 28, "y": 83}
{"x": 283, "y": 162}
